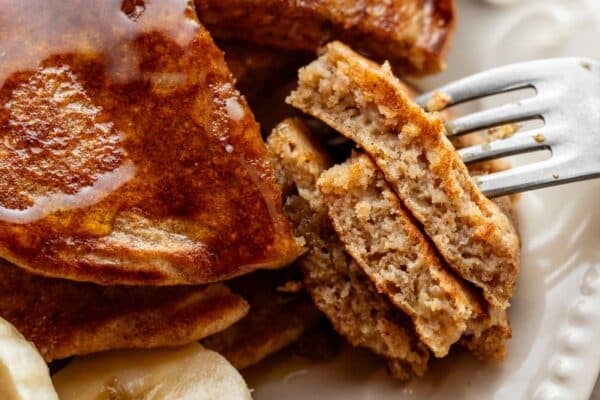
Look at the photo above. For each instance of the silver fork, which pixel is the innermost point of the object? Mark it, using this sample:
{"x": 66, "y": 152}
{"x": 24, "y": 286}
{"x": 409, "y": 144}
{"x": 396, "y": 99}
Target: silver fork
{"x": 567, "y": 99}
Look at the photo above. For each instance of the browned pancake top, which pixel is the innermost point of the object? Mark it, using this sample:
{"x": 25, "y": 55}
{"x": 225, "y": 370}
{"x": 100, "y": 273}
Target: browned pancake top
{"x": 412, "y": 34}
{"x": 126, "y": 154}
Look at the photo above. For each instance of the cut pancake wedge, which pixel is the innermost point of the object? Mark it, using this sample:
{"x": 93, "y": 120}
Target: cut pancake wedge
{"x": 336, "y": 283}
{"x": 366, "y": 103}
{"x": 385, "y": 241}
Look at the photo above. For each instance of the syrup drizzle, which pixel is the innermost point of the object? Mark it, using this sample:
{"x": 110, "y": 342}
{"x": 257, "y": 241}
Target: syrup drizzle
{"x": 125, "y": 111}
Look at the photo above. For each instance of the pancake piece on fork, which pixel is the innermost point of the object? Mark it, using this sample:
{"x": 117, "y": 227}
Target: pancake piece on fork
{"x": 126, "y": 154}
{"x": 365, "y": 102}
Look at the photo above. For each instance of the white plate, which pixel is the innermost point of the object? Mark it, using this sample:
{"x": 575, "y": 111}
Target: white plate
{"x": 555, "y": 350}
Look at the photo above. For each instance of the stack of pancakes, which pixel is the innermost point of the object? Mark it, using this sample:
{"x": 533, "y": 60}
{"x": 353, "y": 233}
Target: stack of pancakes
{"x": 138, "y": 199}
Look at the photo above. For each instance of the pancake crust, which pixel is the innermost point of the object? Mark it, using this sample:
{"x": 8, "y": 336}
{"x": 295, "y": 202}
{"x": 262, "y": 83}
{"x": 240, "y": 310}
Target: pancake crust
{"x": 413, "y": 34}
{"x": 65, "y": 318}
{"x": 126, "y": 154}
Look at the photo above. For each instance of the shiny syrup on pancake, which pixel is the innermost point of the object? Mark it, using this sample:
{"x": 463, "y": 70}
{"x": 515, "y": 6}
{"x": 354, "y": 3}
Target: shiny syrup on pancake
{"x": 124, "y": 111}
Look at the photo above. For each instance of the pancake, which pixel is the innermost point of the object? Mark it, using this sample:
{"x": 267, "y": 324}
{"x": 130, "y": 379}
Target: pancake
{"x": 413, "y": 34}
{"x": 65, "y": 318}
{"x": 365, "y": 102}
{"x": 382, "y": 237}
{"x": 281, "y": 312}
{"x": 126, "y": 154}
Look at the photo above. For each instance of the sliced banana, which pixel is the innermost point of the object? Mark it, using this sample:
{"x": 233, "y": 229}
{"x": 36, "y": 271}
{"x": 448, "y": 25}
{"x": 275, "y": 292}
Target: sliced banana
{"x": 23, "y": 373}
{"x": 187, "y": 373}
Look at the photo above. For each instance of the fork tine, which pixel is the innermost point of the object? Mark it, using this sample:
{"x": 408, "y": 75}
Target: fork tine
{"x": 532, "y": 176}
{"x": 521, "y": 142}
{"x": 514, "y": 112}
{"x": 493, "y": 81}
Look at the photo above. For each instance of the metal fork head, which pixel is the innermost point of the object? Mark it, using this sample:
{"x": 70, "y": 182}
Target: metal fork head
{"x": 567, "y": 99}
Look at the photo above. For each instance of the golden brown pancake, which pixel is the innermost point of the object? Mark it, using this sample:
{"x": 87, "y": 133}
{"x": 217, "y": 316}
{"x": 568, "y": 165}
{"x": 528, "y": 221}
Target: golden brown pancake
{"x": 126, "y": 154}
{"x": 65, "y": 318}
{"x": 280, "y": 313}
{"x": 412, "y": 34}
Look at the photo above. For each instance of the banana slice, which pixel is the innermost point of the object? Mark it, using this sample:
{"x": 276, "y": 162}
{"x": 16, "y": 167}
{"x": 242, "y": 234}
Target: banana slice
{"x": 187, "y": 373}
{"x": 23, "y": 373}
